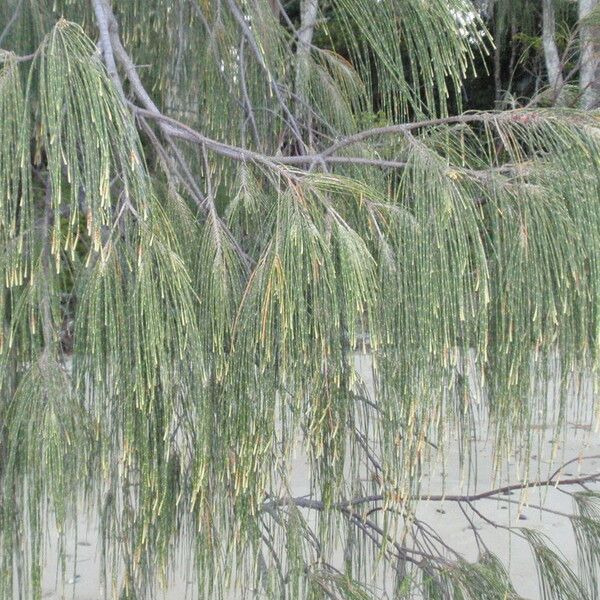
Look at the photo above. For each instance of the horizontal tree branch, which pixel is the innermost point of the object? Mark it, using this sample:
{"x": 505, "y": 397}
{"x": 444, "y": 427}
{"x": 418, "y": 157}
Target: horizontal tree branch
{"x": 182, "y": 131}
{"x": 7, "y": 55}
{"x": 305, "y": 502}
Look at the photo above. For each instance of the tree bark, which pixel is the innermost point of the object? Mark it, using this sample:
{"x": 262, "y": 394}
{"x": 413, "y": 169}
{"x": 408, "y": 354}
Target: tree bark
{"x": 497, "y": 73}
{"x": 551, "y": 56}
{"x": 590, "y": 57}
{"x": 308, "y": 19}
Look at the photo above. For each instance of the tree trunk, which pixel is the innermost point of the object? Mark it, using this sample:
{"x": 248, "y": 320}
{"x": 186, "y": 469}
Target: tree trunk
{"x": 590, "y": 57}
{"x": 308, "y": 19}
{"x": 553, "y": 64}
{"x": 497, "y": 74}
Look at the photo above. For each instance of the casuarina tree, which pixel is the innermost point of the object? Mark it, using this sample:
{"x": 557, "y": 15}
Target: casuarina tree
{"x": 208, "y": 209}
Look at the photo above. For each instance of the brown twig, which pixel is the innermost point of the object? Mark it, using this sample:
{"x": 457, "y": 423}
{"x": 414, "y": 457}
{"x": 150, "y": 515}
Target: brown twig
{"x": 308, "y": 503}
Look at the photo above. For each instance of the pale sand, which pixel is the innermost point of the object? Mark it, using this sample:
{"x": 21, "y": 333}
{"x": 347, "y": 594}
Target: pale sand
{"x": 445, "y": 517}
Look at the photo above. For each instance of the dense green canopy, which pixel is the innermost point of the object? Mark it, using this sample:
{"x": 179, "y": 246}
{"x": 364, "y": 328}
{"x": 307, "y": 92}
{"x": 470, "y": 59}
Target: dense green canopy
{"x": 203, "y": 215}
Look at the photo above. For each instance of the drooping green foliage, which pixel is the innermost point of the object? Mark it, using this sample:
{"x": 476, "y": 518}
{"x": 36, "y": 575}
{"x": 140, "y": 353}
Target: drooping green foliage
{"x": 195, "y": 245}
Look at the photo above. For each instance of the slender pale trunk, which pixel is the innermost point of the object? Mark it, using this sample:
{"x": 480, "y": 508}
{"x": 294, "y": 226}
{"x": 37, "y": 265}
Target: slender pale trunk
{"x": 308, "y": 19}
{"x": 589, "y": 80}
{"x": 497, "y": 73}
{"x": 551, "y": 56}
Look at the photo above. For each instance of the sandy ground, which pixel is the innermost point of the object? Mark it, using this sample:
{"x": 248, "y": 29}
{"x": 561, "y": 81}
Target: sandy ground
{"x": 83, "y": 580}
